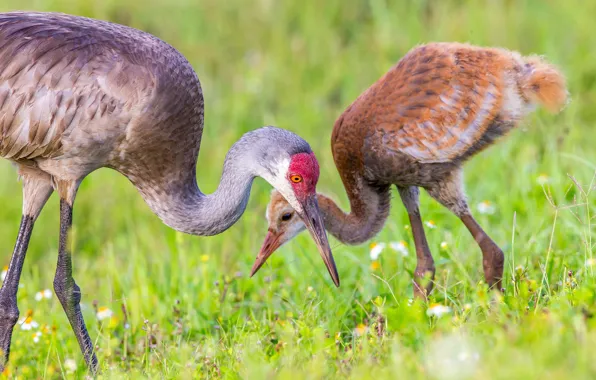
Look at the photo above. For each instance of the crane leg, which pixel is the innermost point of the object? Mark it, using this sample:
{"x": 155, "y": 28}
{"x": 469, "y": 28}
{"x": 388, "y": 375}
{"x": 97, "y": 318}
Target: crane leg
{"x": 451, "y": 195}
{"x": 36, "y": 191}
{"x": 67, "y": 291}
{"x": 424, "y": 274}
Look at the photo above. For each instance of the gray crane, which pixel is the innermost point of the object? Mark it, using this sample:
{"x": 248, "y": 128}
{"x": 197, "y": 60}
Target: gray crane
{"x": 78, "y": 94}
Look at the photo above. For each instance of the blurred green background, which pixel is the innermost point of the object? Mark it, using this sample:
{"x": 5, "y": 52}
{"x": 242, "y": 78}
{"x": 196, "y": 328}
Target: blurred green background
{"x": 192, "y": 311}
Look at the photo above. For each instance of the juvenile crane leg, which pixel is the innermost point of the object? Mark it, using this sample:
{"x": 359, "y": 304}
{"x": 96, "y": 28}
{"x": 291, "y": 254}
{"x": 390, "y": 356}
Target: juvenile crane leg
{"x": 36, "y": 192}
{"x": 425, "y": 266}
{"x": 68, "y": 292}
{"x": 451, "y": 195}
{"x": 493, "y": 259}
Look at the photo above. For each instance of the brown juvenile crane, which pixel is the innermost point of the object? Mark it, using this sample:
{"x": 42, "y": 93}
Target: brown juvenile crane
{"x": 415, "y": 127}
{"x": 78, "y": 94}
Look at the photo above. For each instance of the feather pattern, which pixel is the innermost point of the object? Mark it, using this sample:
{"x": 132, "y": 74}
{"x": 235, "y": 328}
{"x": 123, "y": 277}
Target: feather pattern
{"x": 57, "y": 77}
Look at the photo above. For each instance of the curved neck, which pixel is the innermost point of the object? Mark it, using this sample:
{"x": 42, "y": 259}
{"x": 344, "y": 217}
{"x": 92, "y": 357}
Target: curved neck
{"x": 369, "y": 209}
{"x": 181, "y": 205}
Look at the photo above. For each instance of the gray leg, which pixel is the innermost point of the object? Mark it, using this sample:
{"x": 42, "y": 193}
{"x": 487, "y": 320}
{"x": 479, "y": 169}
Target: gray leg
{"x": 68, "y": 292}
{"x": 9, "y": 312}
{"x": 451, "y": 195}
{"x": 425, "y": 266}
{"x": 36, "y": 191}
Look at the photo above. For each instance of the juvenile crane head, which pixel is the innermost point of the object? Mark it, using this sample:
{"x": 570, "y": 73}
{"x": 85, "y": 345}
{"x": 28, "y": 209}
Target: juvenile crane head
{"x": 284, "y": 224}
{"x": 292, "y": 169}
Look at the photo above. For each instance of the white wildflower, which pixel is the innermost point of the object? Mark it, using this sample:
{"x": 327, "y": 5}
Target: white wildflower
{"x": 543, "y": 179}
{"x": 438, "y": 310}
{"x": 485, "y": 207}
{"x": 47, "y": 294}
{"x": 591, "y": 262}
{"x": 104, "y": 313}
{"x": 444, "y": 245}
{"x": 36, "y": 337}
{"x": 28, "y": 323}
{"x": 400, "y": 246}
{"x": 70, "y": 365}
{"x": 431, "y": 224}
{"x": 376, "y": 249}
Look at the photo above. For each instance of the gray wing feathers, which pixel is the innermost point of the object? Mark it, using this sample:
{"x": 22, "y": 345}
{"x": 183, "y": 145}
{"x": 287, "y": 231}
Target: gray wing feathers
{"x": 58, "y": 75}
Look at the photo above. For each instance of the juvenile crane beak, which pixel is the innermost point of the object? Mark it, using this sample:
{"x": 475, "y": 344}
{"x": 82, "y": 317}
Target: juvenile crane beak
{"x": 314, "y": 223}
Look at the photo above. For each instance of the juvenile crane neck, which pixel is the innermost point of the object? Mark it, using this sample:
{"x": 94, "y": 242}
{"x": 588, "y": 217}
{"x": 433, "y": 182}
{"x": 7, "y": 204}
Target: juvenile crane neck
{"x": 369, "y": 209}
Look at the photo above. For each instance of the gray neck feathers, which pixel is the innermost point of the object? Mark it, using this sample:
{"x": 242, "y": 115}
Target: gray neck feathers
{"x": 186, "y": 209}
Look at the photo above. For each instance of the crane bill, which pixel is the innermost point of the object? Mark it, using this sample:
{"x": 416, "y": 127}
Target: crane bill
{"x": 314, "y": 223}
{"x": 271, "y": 244}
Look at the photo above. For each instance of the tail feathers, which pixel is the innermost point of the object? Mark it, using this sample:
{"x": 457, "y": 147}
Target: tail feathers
{"x": 542, "y": 83}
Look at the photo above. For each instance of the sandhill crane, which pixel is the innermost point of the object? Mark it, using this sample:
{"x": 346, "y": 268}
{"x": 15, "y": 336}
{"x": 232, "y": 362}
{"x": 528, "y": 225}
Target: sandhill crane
{"x": 415, "y": 127}
{"x": 78, "y": 94}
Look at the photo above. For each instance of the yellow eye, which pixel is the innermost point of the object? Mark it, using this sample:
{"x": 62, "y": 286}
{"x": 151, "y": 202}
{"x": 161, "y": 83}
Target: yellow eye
{"x": 296, "y": 178}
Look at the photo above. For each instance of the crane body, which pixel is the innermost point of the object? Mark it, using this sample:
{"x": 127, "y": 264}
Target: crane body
{"x": 414, "y": 128}
{"x": 78, "y": 94}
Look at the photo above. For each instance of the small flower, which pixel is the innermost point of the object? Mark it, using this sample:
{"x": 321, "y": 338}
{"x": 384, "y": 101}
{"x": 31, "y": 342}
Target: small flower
{"x": 467, "y": 306}
{"x": 406, "y": 227}
{"x": 591, "y": 262}
{"x": 4, "y": 271}
{"x": 310, "y": 289}
{"x": 542, "y": 179}
{"x": 410, "y": 301}
{"x": 126, "y": 326}
{"x": 104, "y": 313}
{"x": 47, "y": 294}
{"x": 376, "y": 249}
{"x": 204, "y": 258}
{"x": 444, "y": 245}
{"x": 28, "y": 323}
{"x": 485, "y": 207}
{"x": 431, "y": 224}
{"x": 438, "y": 310}
{"x": 70, "y": 365}
{"x": 374, "y": 266}
{"x": 361, "y": 329}
{"x": 36, "y": 336}
{"x": 400, "y": 246}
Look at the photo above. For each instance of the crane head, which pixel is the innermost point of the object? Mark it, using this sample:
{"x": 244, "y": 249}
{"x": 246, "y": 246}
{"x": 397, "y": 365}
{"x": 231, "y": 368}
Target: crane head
{"x": 284, "y": 224}
{"x": 286, "y": 161}
{"x": 297, "y": 192}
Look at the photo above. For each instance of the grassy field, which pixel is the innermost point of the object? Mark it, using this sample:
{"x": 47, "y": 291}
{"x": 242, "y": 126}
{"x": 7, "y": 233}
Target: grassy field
{"x": 183, "y": 306}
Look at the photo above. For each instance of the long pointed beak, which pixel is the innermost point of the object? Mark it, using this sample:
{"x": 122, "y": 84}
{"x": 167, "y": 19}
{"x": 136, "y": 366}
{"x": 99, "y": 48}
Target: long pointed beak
{"x": 272, "y": 242}
{"x": 314, "y": 223}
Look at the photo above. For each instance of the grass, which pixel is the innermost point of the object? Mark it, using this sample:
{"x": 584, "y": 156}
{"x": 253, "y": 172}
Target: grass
{"x": 192, "y": 311}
